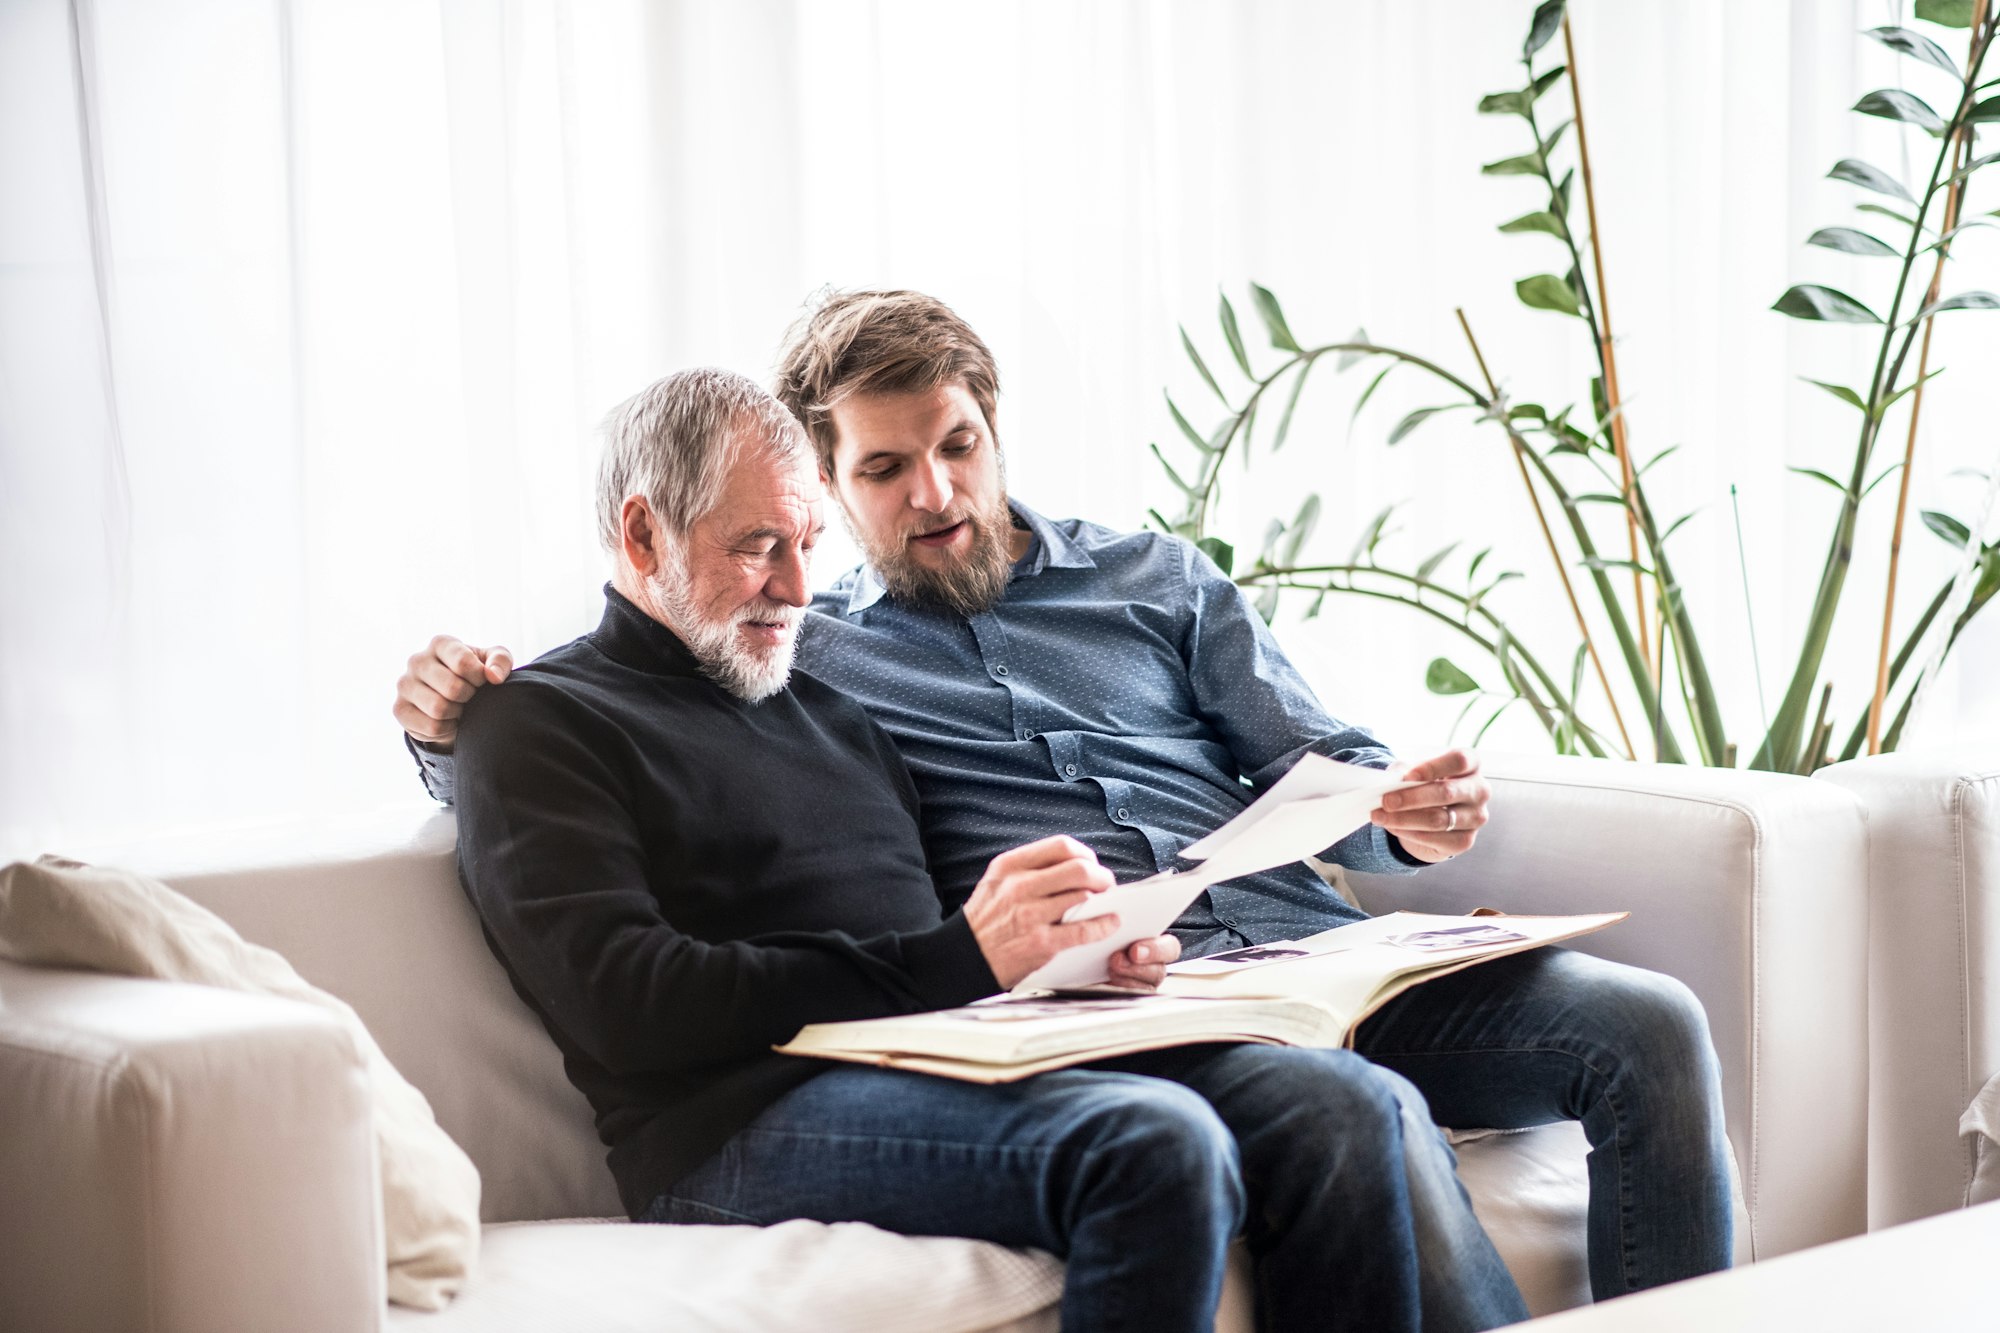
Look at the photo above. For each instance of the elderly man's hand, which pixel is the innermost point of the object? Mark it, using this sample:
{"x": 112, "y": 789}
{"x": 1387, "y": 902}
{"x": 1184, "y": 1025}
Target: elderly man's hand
{"x": 1440, "y": 818}
{"x": 434, "y": 689}
{"x": 1143, "y": 965}
{"x": 1016, "y": 911}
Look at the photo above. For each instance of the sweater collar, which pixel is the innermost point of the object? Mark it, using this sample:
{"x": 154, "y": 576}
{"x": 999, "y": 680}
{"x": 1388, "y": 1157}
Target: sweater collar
{"x": 630, "y": 637}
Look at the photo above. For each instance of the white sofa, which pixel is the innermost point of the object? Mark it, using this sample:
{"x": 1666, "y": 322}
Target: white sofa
{"x": 175, "y": 1158}
{"x": 1934, "y": 973}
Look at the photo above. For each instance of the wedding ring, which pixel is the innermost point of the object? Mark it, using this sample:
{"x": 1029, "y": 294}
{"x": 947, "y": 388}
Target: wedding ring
{"x": 1451, "y": 819}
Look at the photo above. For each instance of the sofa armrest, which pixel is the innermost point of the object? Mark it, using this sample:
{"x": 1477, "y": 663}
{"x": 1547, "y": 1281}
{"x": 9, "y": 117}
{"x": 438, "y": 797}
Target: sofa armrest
{"x": 181, "y": 1158}
{"x": 1749, "y": 887}
{"x": 1934, "y": 988}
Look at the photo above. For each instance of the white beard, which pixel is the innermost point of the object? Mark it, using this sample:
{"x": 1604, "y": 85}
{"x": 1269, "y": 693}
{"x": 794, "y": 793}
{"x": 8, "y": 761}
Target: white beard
{"x": 751, "y": 674}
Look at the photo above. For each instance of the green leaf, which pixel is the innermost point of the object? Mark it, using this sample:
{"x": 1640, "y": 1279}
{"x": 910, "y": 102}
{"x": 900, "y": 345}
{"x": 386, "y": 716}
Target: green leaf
{"x": 1291, "y": 405}
{"x": 1218, "y": 550}
{"x": 1983, "y": 110}
{"x": 1655, "y": 459}
{"x": 1856, "y": 172}
{"x": 1849, "y": 241}
{"x": 1914, "y": 44}
{"x": 1527, "y": 412}
{"x": 1903, "y": 218}
{"x": 1312, "y": 612}
{"x": 1160, "y": 519}
{"x": 1267, "y": 550}
{"x": 1976, "y": 164}
{"x": 1946, "y": 13}
{"x": 1370, "y": 536}
{"x": 1472, "y": 570}
{"x": 1817, "y": 475}
{"x": 1840, "y": 391}
{"x": 1675, "y": 526}
{"x": 1811, "y": 301}
{"x": 1194, "y": 436}
{"x": 1949, "y": 528}
{"x": 1301, "y": 529}
{"x": 1267, "y": 602}
{"x": 1561, "y": 201}
{"x": 1600, "y": 562}
{"x": 1543, "y": 222}
{"x": 1219, "y": 437}
{"x": 1346, "y": 359}
{"x": 1504, "y": 104}
{"x": 1432, "y": 561}
{"x": 1881, "y": 477}
{"x": 1905, "y": 391}
{"x": 1545, "y": 291}
{"x": 1555, "y": 137}
{"x": 1418, "y": 418}
{"x": 1172, "y": 475}
{"x": 1545, "y": 81}
{"x": 1274, "y": 319}
{"x": 1548, "y": 17}
{"x": 1472, "y": 602}
{"x": 1598, "y": 498}
{"x": 1202, "y": 366}
{"x": 1233, "y": 335}
{"x": 1895, "y": 104}
{"x": 1962, "y": 301}
{"x": 1443, "y": 677}
{"x": 1528, "y": 164}
{"x": 1480, "y": 735}
{"x": 1369, "y": 392}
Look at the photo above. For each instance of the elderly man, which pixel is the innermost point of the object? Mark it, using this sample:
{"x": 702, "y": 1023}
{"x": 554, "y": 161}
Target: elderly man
{"x": 682, "y": 853}
{"x": 1043, "y": 677}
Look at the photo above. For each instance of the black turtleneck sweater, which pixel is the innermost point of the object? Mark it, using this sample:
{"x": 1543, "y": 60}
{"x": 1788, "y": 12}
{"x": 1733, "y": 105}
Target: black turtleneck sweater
{"x": 676, "y": 880}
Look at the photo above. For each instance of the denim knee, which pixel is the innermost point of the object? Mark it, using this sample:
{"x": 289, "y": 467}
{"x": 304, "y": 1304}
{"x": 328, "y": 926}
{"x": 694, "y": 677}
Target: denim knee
{"x": 1159, "y": 1138}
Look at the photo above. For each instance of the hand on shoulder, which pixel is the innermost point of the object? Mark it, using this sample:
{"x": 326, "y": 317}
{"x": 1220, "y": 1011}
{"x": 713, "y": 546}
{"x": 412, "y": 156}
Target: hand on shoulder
{"x": 437, "y": 683}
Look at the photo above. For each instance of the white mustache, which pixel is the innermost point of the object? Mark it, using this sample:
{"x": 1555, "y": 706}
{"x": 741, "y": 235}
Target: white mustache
{"x": 775, "y": 613}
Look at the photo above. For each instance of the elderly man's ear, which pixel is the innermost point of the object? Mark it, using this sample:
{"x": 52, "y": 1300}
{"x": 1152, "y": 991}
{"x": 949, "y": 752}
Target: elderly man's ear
{"x": 639, "y": 537}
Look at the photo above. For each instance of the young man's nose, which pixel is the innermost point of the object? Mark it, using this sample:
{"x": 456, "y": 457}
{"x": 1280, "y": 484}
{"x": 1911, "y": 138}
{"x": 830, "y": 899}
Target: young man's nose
{"x": 931, "y": 487}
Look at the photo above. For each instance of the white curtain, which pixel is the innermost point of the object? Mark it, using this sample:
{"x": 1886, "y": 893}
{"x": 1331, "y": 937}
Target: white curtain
{"x": 308, "y": 309}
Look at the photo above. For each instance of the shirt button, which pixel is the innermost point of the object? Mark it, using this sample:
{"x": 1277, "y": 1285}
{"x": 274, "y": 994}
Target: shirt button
{"x": 1000, "y": 671}
{"x": 1123, "y": 813}
{"x": 1069, "y": 770}
{"x": 1028, "y": 735}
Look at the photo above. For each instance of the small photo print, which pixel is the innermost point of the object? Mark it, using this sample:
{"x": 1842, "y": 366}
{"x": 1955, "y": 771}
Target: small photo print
{"x": 1455, "y": 937}
{"x": 1258, "y": 953}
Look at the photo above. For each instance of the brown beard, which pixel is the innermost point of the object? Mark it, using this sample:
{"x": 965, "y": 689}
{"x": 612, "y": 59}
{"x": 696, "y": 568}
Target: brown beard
{"x": 968, "y": 586}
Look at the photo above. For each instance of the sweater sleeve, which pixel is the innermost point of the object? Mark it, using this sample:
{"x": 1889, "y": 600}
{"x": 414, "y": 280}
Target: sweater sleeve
{"x": 551, "y": 855}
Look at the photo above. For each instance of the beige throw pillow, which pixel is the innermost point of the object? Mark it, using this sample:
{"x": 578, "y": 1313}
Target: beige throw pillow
{"x": 57, "y": 913}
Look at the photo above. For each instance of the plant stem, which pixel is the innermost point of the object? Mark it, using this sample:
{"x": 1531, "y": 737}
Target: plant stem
{"x": 1961, "y": 144}
{"x": 1783, "y": 743}
{"x": 1606, "y": 348}
{"x": 1859, "y": 736}
{"x": 1549, "y": 536}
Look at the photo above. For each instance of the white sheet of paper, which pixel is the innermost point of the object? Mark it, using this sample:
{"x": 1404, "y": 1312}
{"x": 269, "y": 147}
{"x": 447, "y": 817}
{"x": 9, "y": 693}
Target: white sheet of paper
{"x": 1312, "y": 807}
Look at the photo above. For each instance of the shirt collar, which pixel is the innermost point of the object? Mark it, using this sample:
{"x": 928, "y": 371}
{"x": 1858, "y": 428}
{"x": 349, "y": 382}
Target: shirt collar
{"x": 1051, "y": 549}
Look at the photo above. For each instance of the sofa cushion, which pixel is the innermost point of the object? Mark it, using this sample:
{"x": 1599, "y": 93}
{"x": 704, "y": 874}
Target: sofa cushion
{"x": 623, "y": 1277}
{"x": 61, "y": 914}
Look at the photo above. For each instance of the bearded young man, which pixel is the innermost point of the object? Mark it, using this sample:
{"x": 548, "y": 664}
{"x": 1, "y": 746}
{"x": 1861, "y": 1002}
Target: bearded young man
{"x": 1041, "y": 677}
{"x": 682, "y": 852}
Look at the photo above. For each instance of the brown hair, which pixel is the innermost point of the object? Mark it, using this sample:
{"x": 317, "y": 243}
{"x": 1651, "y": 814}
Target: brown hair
{"x": 877, "y": 342}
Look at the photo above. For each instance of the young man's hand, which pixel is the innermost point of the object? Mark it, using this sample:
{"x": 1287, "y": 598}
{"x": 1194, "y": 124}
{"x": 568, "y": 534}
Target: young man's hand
{"x": 439, "y": 680}
{"x": 1142, "y": 965}
{"x": 1440, "y": 818}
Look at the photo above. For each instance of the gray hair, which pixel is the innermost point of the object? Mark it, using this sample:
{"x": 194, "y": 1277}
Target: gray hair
{"x": 675, "y": 441}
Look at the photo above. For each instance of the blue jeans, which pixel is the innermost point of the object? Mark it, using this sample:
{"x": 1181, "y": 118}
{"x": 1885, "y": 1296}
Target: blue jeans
{"x": 1139, "y": 1171}
{"x": 1555, "y": 1035}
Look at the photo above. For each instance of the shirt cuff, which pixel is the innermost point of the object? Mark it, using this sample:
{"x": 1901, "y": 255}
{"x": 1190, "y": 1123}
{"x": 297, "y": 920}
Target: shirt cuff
{"x": 433, "y": 766}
